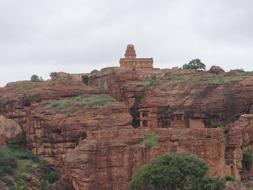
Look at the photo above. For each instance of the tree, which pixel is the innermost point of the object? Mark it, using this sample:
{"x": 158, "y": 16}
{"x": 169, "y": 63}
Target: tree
{"x": 53, "y": 74}
{"x": 85, "y": 79}
{"x": 175, "y": 171}
{"x": 195, "y": 64}
{"x": 36, "y": 78}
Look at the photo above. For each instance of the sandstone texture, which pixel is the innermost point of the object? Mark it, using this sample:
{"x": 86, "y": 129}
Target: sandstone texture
{"x": 10, "y": 131}
{"x": 216, "y": 70}
{"x": 108, "y": 159}
{"x": 94, "y": 134}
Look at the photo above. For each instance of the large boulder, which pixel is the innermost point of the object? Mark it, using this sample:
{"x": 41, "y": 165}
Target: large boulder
{"x": 10, "y": 131}
{"x": 216, "y": 70}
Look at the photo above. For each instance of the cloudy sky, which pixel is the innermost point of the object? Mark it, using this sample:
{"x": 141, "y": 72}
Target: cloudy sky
{"x": 38, "y": 37}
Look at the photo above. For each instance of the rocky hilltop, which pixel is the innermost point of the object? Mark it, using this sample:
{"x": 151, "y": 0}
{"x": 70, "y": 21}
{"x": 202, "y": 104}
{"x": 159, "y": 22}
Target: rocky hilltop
{"x": 95, "y": 131}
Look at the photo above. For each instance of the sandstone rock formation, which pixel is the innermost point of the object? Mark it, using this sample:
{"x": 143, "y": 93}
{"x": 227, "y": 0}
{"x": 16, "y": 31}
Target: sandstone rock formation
{"x": 214, "y": 99}
{"x": 108, "y": 159}
{"x": 10, "y": 131}
{"x": 97, "y": 140}
{"x": 216, "y": 70}
{"x": 52, "y": 132}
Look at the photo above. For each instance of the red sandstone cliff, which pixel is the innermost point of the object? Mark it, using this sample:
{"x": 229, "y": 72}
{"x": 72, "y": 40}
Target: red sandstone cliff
{"x": 93, "y": 141}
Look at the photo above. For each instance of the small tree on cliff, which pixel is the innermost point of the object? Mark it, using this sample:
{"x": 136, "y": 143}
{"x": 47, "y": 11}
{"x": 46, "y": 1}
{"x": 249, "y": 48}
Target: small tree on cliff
{"x": 195, "y": 64}
{"x": 175, "y": 171}
{"x": 36, "y": 78}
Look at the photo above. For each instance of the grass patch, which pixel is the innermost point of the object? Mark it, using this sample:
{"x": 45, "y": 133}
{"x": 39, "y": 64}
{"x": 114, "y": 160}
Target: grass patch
{"x": 78, "y": 103}
{"x": 16, "y": 161}
{"x": 151, "y": 141}
{"x": 210, "y": 78}
{"x": 221, "y": 127}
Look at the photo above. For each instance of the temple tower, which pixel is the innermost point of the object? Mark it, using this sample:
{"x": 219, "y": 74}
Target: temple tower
{"x": 130, "y": 60}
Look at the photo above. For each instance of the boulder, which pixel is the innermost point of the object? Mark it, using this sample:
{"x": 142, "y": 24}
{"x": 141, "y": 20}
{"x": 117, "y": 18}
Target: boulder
{"x": 10, "y": 131}
{"x": 216, "y": 70}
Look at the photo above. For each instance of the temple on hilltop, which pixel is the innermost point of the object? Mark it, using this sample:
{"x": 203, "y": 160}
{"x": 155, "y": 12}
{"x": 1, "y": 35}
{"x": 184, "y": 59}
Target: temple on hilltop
{"x": 130, "y": 60}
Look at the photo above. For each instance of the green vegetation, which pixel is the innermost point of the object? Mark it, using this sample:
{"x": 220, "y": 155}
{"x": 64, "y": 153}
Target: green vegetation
{"x": 85, "y": 79}
{"x": 247, "y": 160}
{"x": 45, "y": 185}
{"x": 16, "y": 162}
{"x": 152, "y": 81}
{"x": 151, "y": 141}
{"x": 195, "y": 64}
{"x": 53, "y": 74}
{"x": 230, "y": 178}
{"x": 81, "y": 102}
{"x": 36, "y": 78}
{"x": 21, "y": 185}
{"x": 221, "y": 127}
{"x": 209, "y": 78}
{"x": 94, "y": 71}
{"x": 175, "y": 171}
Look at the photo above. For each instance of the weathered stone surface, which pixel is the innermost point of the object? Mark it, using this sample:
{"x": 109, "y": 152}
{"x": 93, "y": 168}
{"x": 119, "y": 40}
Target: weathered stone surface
{"x": 97, "y": 148}
{"x": 10, "y": 131}
{"x": 108, "y": 159}
{"x": 216, "y": 70}
{"x": 63, "y": 184}
{"x": 213, "y": 99}
{"x": 17, "y": 97}
{"x": 51, "y": 132}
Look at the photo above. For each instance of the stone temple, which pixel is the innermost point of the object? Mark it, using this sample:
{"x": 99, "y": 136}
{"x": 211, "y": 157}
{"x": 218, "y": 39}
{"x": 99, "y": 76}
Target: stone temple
{"x": 130, "y": 60}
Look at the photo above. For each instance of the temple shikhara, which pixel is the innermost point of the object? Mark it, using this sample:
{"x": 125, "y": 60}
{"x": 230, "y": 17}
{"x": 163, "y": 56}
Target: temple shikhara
{"x": 130, "y": 60}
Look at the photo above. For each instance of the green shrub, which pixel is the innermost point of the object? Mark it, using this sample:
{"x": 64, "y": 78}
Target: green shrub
{"x": 247, "y": 160}
{"x": 195, "y": 64}
{"x": 21, "y": 185}
{"x": 45, "y": 185}
{"x": 16, "y": 161}
{"x": 175, "y": 171}
{"x": 94, "y": 71}
{"x": 230, "y": 178}
{"x": 53, "y": 74}
{"x": 36, "y": 78}
{"x": 49, "y": 174}
{"x": 151, "y": 141}
{"x": 221, "y": 127}
{"x": 85, "y": 79}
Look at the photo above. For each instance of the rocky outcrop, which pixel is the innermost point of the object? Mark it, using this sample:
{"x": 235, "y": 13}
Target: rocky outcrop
{"x": 53, "y": 131}
{"x": 17, "y": 97}
{"x": 108, "y": 159}
{"x": 216, "y": 70}
{"x": 90, "y": 137}
{"x": 10, "y": 131}
{"x": 215, "y": 99}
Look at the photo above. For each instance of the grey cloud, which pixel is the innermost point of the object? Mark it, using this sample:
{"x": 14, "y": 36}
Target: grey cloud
{"x": 77, "y": 36}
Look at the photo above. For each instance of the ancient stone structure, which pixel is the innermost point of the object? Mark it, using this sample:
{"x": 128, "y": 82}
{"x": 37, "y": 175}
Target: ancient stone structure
{"x": 148, "y": 118}
{"x": 130, "y": 60}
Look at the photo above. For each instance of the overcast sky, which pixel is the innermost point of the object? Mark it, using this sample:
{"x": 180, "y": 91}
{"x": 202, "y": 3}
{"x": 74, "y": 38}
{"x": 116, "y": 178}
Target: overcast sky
{"x": 38, "y": 37}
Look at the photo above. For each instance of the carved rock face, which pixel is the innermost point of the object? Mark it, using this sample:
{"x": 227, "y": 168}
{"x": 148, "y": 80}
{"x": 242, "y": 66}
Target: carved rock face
{"x": 10, "y": 131}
